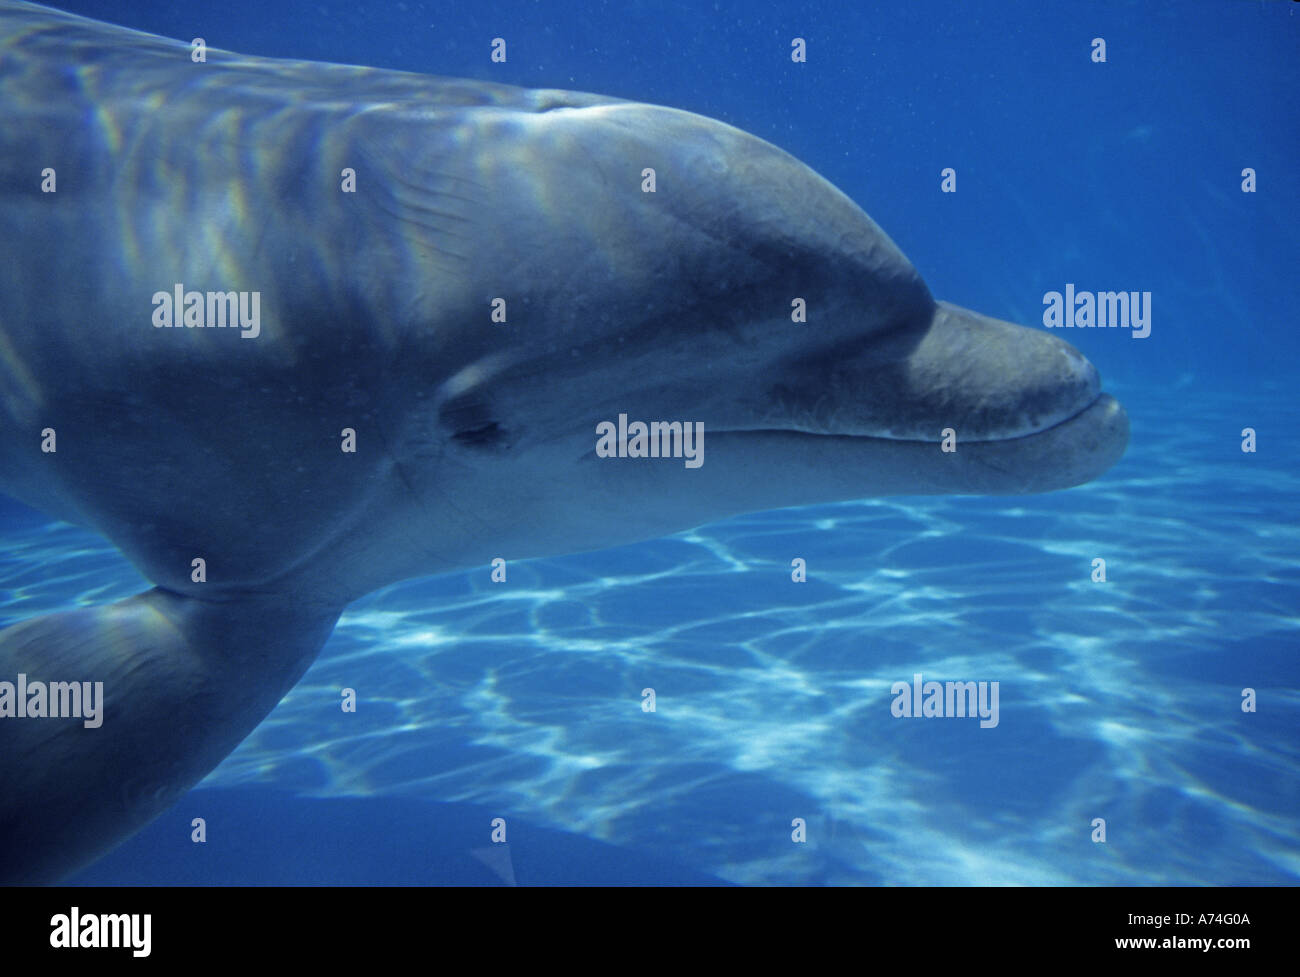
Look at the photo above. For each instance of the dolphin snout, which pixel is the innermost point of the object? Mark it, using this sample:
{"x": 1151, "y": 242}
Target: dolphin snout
{"x": 992, "y": 380}
{"x": 985, "y": 379}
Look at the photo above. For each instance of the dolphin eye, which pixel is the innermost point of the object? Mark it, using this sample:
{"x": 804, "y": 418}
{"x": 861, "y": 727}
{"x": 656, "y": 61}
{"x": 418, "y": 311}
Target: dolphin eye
{"x": 471, "y": 423}
{"x": 487, "y": 436}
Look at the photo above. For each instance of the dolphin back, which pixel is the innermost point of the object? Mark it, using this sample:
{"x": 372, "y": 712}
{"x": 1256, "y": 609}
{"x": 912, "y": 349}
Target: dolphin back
{"x": 45, "y": 52}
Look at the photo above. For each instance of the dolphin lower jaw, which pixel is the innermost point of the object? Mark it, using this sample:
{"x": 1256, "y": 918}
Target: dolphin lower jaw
{"x": 931, "y": 424}
{"x": 848, "y": 466}
{"x": 830, "y": 431}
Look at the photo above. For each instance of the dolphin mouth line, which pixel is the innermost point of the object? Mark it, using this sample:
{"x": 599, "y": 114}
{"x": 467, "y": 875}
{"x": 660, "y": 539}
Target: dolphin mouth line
{"x": 885, "y": 438}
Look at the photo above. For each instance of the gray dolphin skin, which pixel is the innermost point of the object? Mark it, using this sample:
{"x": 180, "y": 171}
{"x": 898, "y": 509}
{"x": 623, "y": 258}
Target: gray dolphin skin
{"x": 475, "y": 439}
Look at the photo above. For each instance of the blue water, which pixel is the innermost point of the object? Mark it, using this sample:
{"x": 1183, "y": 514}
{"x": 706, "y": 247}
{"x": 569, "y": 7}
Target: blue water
{"x": 1119, "y": 700}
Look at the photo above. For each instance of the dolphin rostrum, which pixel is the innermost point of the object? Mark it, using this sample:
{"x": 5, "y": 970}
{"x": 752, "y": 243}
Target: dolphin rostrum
{"x": 429, "y": 296}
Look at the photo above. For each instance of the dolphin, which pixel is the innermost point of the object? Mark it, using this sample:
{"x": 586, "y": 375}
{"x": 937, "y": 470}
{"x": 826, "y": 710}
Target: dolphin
{"x": 444, "y": 288}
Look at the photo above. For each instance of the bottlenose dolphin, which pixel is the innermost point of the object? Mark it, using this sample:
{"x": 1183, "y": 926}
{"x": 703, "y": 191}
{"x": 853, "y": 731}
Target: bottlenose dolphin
{"x": 378, "y": 314}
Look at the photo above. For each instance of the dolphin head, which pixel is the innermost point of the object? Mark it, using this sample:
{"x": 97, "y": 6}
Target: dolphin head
{"x": 652, "y": 262}
{"x": 645, "y": 262}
